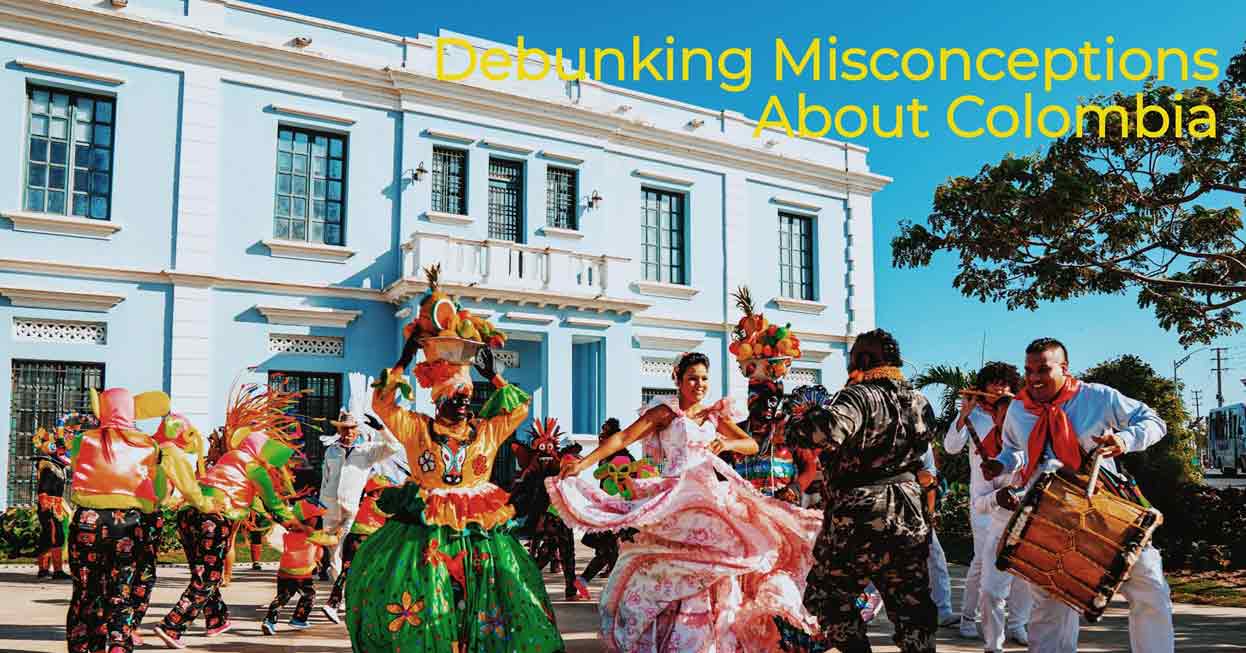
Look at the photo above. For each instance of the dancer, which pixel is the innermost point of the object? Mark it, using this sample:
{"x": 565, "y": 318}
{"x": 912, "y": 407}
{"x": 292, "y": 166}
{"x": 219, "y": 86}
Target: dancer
{"x": 996, "y": 381}
{"x": 116, "y": 482}
{"x": 444, "y": 574}
{"x": 617, "y": 477}
{"x": 52, "y": 461}
{"x": 259, "y": 431}
{"x": 300, "y": 551}
{"x": 871, "y": 438}
{"x": 368, "y": 521}
{"x": 714, "y": 562}
{"x": 351, "y": 455}
{"x": 258, "y": 525}
{"x": 552, "y": 540}
{"x": 1053, "y": 420}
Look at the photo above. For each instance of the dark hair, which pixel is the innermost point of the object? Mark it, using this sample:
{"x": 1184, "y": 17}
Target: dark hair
{"x": 888, "y": 348}
{"x": 611, "y": 425}
{"x": 1046, "y": 344}
{"x": 995, "y": 372}
{"x": 686, "y": 362}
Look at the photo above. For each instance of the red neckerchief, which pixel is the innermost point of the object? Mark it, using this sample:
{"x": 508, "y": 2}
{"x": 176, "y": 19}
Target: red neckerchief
{"x": 1052, "y": 425}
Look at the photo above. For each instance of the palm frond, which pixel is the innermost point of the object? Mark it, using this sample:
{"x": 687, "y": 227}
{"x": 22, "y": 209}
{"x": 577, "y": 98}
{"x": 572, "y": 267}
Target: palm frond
{"x": 953, "y": 379}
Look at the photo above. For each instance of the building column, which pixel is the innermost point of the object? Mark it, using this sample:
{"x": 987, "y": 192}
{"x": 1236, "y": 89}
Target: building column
{"x": 860, "y": 251}
{"x": 558, "y": 377}
{"x": 622, "y": 375}
{"x": 736, "y": 227}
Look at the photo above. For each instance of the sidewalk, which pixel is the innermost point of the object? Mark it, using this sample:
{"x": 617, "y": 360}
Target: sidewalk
{"x": 32, "y": 618}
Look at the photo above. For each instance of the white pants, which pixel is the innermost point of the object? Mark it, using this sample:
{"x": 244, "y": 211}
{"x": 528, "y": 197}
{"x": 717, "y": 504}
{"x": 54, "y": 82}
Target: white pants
{"x": 979, "y": 524}
{"x": 940, "y": 582}
{"x": 1054, "y": 626}
{"x": 1001, "y": 590}
{"x": 337, "y": 516}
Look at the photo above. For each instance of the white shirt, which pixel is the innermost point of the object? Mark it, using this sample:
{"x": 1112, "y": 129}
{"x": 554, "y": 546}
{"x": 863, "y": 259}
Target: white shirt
{"x": 1095, "y": 409}
{"x": 955, "y": 440}
{"x": 346, "y": 470}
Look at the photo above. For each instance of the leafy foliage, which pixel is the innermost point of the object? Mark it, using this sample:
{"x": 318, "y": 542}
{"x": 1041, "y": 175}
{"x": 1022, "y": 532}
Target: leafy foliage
{"x": 952, "y": 379}
{"x": 19, "y": 532}
{"x": 1108, "y": 212}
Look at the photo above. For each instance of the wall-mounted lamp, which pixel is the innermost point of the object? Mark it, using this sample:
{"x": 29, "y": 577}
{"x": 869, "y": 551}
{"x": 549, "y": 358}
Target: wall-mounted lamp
{"x": 419, "y": 172}
{"x": 771, "y": 143}
{"x": 120, "y": 4}
{"x": 595, "y": 200}
{"x": 623, "y": 108}
{"x": 696, "y": 123}
{"x": 301, "y": 41}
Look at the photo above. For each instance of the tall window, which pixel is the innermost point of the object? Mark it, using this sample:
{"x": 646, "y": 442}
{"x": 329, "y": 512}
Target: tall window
{"x": 321, "y": 401}
{"x": 449, "y": 180}
{"x": 69, "y": 160}
{"x": 43, "y": 391}
{"x": 505, "y": 199}
{"x": 796, "y": 256}
{"x": 662, "y": 236}
{"x": 311, "y": 191}
{"x": 560, "y": 198}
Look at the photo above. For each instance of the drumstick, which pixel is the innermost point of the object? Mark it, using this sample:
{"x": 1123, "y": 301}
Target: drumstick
{"x": 1096, "y": 462}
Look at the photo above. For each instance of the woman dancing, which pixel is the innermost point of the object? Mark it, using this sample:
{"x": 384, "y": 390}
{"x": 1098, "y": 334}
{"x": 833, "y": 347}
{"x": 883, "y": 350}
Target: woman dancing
{"x": 714, "y": 562}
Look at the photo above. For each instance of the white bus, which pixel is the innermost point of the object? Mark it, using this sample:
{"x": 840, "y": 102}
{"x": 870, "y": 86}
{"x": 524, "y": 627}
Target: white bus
{"x": 1226, "y": 439}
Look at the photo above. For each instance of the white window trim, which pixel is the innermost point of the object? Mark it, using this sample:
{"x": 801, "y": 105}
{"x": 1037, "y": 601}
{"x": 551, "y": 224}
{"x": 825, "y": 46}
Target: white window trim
{"x": 449, "y": 136}
{"x": 303, "y": 113}
{"x": 41, "y": 67}
{"x": 61, "y": 225}
{"x": 440, "y": 217}
{"x": 799, "y": 305}
{"x": 561, "y": 158}
{"x": 657, "y": 176}
{"x": 814, "y": 354}
{"x": 663, "y": 289}
{"x": 588, "y": 322}
{"x": 796, "y": 204}
{"x": 61, "y": 299}
{"x": 508, "y": 147}
{"x": 533, "y": 318}
{"x": 662, "y": 342}
{"x": 559, "y": 232}
{"x": 301, "y": 249}
{"x": 313, "y": 316}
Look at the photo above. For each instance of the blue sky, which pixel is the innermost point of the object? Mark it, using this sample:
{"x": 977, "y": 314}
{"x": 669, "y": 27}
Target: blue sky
{"x": 933, "y": 322}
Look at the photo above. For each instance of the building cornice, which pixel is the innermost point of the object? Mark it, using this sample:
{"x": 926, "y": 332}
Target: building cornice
{"x": 406, "y": 289}
{"x": 313, "y": 316}
{"x": 61, "y": 299}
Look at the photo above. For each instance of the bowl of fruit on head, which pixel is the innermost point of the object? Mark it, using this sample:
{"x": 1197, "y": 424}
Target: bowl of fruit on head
{"x": 763, "y": 351}
{"x": 446, "y": 331}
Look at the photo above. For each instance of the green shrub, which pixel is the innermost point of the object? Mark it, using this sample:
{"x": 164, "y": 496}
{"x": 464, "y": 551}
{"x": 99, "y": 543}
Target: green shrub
{"x": 19, "y": 532}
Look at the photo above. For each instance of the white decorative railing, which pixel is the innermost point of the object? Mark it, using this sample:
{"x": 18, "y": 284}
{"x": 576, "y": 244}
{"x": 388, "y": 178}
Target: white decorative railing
{"x": 504, "y": 264}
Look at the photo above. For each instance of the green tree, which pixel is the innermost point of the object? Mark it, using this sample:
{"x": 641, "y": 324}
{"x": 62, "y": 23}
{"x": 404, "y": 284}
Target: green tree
{"x": 1170, "y": 462}
{"x": 952, "y": 379}
{"x": 1108, "y": 212}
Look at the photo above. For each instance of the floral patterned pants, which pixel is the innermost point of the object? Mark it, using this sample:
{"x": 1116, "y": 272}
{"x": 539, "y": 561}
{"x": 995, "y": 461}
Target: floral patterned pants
{"x": 349, "y": 546}
{"x": 104, "y": 548}
{"x": 145, "y": 580}
{"x": 287, "y": 588}
{"x": 205, "y": 539}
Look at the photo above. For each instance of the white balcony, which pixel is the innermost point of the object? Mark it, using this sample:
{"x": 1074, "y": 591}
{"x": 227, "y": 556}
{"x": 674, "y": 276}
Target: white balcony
{"x": 513, "y": 272}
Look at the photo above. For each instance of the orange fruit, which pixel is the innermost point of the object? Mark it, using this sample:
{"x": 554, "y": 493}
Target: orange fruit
{"x": 444, "y": 314}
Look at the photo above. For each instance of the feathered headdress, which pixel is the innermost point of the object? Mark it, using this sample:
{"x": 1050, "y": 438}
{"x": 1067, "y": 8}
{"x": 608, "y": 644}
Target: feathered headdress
{"x": 268, "y": 412}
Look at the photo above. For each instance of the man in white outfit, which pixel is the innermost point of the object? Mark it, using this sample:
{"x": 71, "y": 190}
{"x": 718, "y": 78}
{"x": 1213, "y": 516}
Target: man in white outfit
{"x": 1054, "y": 420}
{"x": 348, "y": 464}
{"x": 995, "y": 380}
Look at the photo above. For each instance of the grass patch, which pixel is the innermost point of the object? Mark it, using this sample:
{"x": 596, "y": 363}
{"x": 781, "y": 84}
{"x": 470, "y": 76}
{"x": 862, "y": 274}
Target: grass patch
{"x": 1226, "y": 589}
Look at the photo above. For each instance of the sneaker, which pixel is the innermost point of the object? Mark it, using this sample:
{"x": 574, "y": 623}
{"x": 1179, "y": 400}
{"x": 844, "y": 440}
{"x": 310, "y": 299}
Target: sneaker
{"x": 968, "y": 629}
{"x": 331, "y": 612}
{"x": 43, "y": 573}
{"x": 255, "y": 566}
{"x": 213, "y": 632}
{"x": 873, "y": 602}
{"x": 268, "y": 627}
{"x": 581, "y": 589}
{"x": 948, "y": 619}
{"x": 298, "y": 625}
{"x": 170, "y": 640}
{"x": 1019, "y": 635}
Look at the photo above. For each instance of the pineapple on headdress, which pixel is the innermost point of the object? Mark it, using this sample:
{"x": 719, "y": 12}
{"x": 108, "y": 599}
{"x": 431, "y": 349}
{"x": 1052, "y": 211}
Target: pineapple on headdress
{"x": 763, "y": 350}
{"x": 442, "y": 317}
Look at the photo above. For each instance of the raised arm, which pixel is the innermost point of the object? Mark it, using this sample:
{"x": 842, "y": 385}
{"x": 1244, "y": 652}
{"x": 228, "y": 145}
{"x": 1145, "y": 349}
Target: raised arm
{"x": 400, "y": 422}
{"x": 735, "y": 439}
{"x": 827, "y": 428}
{"x": 651, "y": 421}
{"x": 1136, "y": 423}
{"x": 181, "y": 473}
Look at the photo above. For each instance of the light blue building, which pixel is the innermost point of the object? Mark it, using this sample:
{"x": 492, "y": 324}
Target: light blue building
{"x": 198, "y": 191}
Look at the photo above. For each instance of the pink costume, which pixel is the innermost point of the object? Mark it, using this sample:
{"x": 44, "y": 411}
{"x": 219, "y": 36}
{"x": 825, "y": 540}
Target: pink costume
{"x": 714, "y": 562}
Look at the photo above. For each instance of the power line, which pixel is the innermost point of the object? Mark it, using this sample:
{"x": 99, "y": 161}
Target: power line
{"x": 1198, "y": 415}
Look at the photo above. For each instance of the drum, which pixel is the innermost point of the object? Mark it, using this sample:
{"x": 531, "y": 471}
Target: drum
{"x": 1077, "y": 548}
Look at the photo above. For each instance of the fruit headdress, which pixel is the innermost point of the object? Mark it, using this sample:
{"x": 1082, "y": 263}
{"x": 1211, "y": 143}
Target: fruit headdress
{"x": 447, "y": 333}
{"x": 763, "y": 350}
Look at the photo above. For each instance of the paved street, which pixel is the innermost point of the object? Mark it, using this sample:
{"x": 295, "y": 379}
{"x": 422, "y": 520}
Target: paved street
{"x": 32, "y": 619}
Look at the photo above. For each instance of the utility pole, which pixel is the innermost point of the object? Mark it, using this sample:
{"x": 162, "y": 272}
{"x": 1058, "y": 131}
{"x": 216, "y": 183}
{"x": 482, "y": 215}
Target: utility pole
{"x": 1220, "y": 368}
{"x": 1198, "y": 415}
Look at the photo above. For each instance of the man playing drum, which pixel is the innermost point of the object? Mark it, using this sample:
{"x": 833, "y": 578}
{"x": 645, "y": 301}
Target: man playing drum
{"x": 1054, "y": 419}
